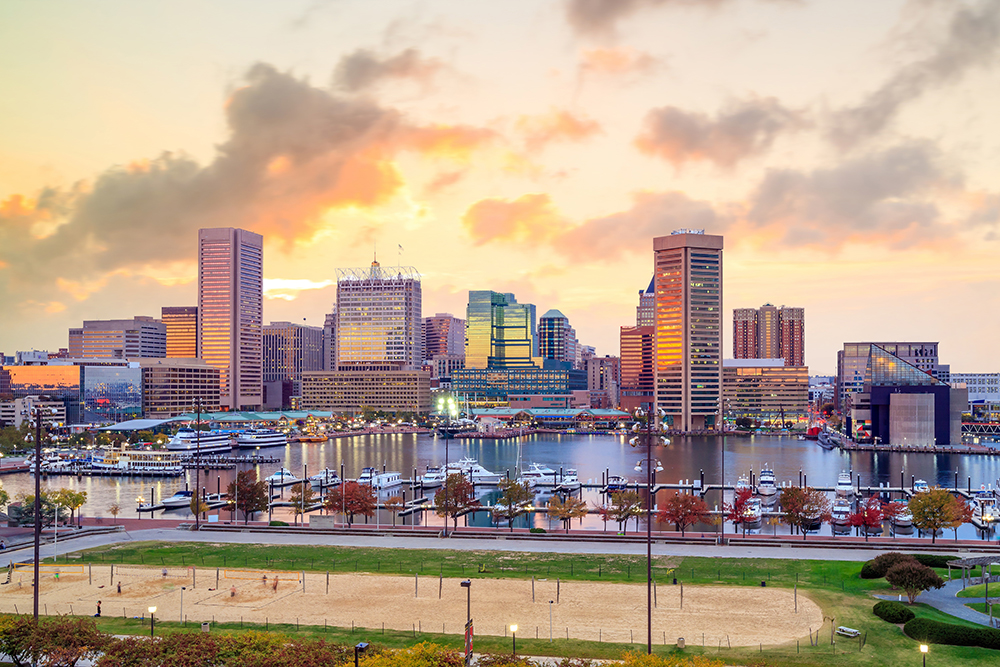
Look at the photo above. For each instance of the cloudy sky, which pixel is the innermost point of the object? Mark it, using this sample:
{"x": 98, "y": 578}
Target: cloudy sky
{"x": 848, "y": 152}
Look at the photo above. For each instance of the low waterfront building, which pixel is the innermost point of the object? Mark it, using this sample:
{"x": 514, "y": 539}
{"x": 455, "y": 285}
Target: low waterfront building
{"x": 575, "y": 399}
{"x": 352, "y": 391}
{"x": 119, "y": 339}
{"x": 19, "y": 410}
{"x": 172, "y": 386}
{"x": 766, "y": 391}
{"x": 490, "y": 387}
{"x": 555, "y": 418}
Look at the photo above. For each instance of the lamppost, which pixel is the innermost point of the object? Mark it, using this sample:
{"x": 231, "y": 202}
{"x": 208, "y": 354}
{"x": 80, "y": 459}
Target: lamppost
{"x": 923, "y": 651}
{"x": 360, "y": 647}
{"x": 197, "y": 466}
{"x": 467, "y": 585}
{"x": 152, "y": 610}
{"x": 513, "y": 640}
{"x": 550, "y": 621}
{"x": 38, "y": 502}
{"x": 449, "y": 407}
{"x": 648, "y": 437}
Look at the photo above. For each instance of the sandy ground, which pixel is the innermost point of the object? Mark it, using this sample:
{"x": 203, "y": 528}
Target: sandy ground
{"x": 586, "y": 610}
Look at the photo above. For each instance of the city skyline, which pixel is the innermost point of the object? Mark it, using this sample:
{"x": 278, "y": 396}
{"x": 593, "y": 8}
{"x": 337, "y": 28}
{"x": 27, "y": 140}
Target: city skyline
{"x": 512, "y": 147}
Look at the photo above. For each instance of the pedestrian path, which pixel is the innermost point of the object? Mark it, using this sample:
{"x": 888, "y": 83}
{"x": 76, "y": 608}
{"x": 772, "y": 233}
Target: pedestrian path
{"x": 944, "y": 600}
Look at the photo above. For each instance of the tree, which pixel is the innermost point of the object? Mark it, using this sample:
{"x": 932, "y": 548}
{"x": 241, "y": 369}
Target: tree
{"x": 624, "y": 505}
{"x": 197, "y": 505}
{"x": 395, "y": 505}
{"x": 736, "y": 511}
{"x": 567, "y": 509}
{"x": 683, "y": 510}
{"x": 4, "y": 498}
{"x": 868, "y": 515}
{"x": 350, "y": 498}
{"x": 302, "y": 498}
{"x": 744, "y": 423}
{"x": 891, "y": 511}
{"x": 247, "y": 494}
{"x": 114, "y": 510}
{"x": 913, "y": 578}
{"x": 72, "y": 500}
{"x": 515, "y": 498}
{"x": 457, "y": 495}
{"x": 803, "y": 506}
{"x": 936, "y": 509}
{"x": 23, "y": 514}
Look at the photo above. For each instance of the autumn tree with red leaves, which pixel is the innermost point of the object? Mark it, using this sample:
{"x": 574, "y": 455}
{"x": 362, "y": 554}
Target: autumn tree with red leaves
{"x": 736, "y": 511}
{"x": 868, "y": 516}
{"x": 351, "y": 498}
{"x": 683, "y": 510}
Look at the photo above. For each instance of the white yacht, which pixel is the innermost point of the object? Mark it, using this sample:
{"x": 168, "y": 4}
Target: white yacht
{"x": 617, "y": 483}
{"x": 903, "y": 520}
{"x": 920, "y": 486}
{"x": 433, "y": 478}
{"x": 841, "y": 511}
{"x": 281, "y": 476}
{"x": 753, "y": 513}
{"x": 256, "y": 438}
{"x": 325, "y": 478}
{"x": 179, "y": 499}
{"x": 537, "y": 475}
{"x": 743, "y": 483}
{"x": 766, "y": 486}
{"x": 188, "y": 441}
{"x": 379, "y": 480}
{"x": 474, "y": 472}
{"x": 568, "y": 481}
{"x": 845, "y": 487}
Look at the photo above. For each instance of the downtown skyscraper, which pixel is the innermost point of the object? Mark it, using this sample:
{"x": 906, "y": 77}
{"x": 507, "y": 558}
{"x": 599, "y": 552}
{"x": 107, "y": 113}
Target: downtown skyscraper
{"x": 688, "y": 329}
{"x": 231, "y": 312}
{"x": 770, "y": 333}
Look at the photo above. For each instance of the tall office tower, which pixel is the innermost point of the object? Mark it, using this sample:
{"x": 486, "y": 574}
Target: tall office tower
{"x": 231, "y": 312}
{"x": 745, "y": 333}
{"x": 379, "y": 319}
{"x": 118, "y": 339}
{"x": 290, "y": 349}
{"x": 636, "y": 384}
{"x": 330, "y": 341}
{"x": 500, "y": 332}
{"x": 557, "y": 339}
{"x": 443, "y": 334}
{"x": 603, "y": 379}
{"x": 792, "y": 322}
{"x": 768, "y": 330}
{"x": 645, "y": 312}
{"x": 688, "y": 338}
{"x": 182, "y": 331}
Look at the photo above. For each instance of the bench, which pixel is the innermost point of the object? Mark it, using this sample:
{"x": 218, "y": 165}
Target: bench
{"x": 848, "y": 632}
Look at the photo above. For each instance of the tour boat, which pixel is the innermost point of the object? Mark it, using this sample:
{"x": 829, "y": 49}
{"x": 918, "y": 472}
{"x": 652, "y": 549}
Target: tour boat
{"x": 920, "y": 486}
{"x": 379, "y": 480}
{"x": 841, "y": 511}
{"x": 434, "y": 477}
{"x": 325, "y": 478}
{"x": 766, "y": 486}
{"x": 474, "y": 472}
{"x": 188, "y": 441}
{"x": 281, "y": 476}
{"x": 122, "y": 460}
{"x": 257, "y": 438}
{"x": 569, "y": 481}
{"x": 845, "y": 486}
{"x": 179, "y": 499}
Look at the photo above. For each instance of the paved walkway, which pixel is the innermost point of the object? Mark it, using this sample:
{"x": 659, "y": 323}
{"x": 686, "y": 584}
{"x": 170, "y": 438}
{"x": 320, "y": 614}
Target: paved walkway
{"x": 944, "y": 600}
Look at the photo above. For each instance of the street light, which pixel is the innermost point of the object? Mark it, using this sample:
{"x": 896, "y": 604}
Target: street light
{"x": 923, "y": 651}
{"x": 648, "y": 437}
{"x": 360, "y": 647}
{"x": 467, "y": 585}
{"x": 152, "y": 610}
{"x": 550, "y": 621}
{"x": 449, "y": 407}
{"x": 513, "y": 639}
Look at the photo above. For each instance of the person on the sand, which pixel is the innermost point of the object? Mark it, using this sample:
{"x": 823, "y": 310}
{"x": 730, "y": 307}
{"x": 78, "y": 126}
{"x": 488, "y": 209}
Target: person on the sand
{"x": 119, "y": 588}
{"x": 275, "y": 586}
{"x": 232, "y": 592}
{"x": 98, "y": 614}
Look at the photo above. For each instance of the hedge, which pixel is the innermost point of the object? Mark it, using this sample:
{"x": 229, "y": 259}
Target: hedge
{"x": 935, "y": 632}
{"x": 933, "y": 560}
{"x": 893, "y": 612}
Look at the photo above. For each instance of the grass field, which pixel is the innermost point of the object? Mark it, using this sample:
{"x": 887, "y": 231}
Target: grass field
{"x": 835, "y": 585}
{"x": 979, "y": 591}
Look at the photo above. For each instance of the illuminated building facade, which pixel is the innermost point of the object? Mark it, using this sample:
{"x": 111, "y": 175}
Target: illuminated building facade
{"x": 444, "y": 334}
{"x": 766, "y": 391}
{"x": 688, "y": 336}
{"x": 289, "y": 350}
{"x": 769, "y": 332}
{"x": 111, "y": 394}
{"x": 230, "y": 312}
{"x": 636, "y": 385}
{"x": 353, "y": 391}
{"x": 118, "y": 339}
{"x": 181, "y": 323}
{"x": 173, "y": 386}
{"x": 557, "y": 339}
{"x": 500, "y": 332}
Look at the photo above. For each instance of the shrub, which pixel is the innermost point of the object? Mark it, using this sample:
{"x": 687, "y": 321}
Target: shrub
{"x": 893, "y": 612}
{"x": 935, "y": 632}
{"x": 878, "y": 566}
{"x": 933, "y": 560}
{"x": 536, "y": 530}
{"x": 275, "y": 522}
{"x": 913, "y": 578}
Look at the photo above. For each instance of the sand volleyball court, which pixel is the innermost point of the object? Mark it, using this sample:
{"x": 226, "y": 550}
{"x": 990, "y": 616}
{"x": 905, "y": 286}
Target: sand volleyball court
{"x": 585, "y": 610}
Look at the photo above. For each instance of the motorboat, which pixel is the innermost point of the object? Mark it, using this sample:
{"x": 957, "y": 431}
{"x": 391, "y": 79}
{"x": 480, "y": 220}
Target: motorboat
{"x": 325, "y": 478}
{"x": 537, "y": 474}
{"x": 841, "y": 512}
{"x": 903, "y": 520}
{"x": 845, "y": 486}
{"x": 379, "y": 480}
{"x": 190, "y": 441}
{"x": 474, "y": 472}
{"x": 257, "y": 438}
{"x": 766, "y": 486}
{"x": 281, "y": 476}
{"x": 568, "y": 481}
{"x": 742, "y": 483}
{"x": 753, "y": 514}
{"x": 920, "y": 486}
{"x": 433, "y": 478}
{"x": 617, "y": 483}
{"x": 178, "y": 500}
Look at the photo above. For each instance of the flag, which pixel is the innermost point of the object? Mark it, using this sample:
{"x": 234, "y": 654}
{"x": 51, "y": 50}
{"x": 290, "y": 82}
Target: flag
{"x": 400, "y": 248}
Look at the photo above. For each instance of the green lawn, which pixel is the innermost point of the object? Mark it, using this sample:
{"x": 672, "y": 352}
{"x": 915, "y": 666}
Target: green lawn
{"x": 981, "y": 607}
{"x": 834, "y": 585}
{"x": 979, "y": 591}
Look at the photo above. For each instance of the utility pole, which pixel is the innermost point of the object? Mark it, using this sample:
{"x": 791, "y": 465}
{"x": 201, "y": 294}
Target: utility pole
{"x": 38, "y": 500}
{"x": 197, "y": 466}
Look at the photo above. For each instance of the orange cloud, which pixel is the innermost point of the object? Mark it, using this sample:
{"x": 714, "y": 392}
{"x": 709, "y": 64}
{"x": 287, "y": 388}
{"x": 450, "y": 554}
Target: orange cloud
{"x": 529, "y": 217}
{"x": 456, "y": 142}
{"x": 616, "y": 61}
{"x": 557, "y": 125}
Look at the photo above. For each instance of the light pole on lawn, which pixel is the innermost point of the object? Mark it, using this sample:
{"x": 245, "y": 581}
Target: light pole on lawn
{"x": 513, "y": 640}
{"x": 197, "y": 466}
{"x": 648, "y": 437}
{"x": 923, "y": 652}
{"x": 152, "y": 623}
{"x": 450, "y": 408}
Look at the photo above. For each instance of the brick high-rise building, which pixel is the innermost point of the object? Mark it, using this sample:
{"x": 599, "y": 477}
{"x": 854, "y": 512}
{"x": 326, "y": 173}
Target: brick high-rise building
{"x": 636, "y": 368}
{"x": 688, "y": 336}
{"x": 443, "y": 334}
{"x": 291, "y": 349}
{"x": 770, "y": 333}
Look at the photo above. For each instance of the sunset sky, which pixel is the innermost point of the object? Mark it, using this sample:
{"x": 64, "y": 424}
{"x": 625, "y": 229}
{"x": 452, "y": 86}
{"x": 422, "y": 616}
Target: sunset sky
{"x": 848, "y": 151}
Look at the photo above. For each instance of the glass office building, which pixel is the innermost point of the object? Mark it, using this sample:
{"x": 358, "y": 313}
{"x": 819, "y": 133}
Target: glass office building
{"x": 60, "y": 383}
{"x": 181, "y": 323}
{"x": 500, "y": 332}
{"x": 111, "y": 394}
